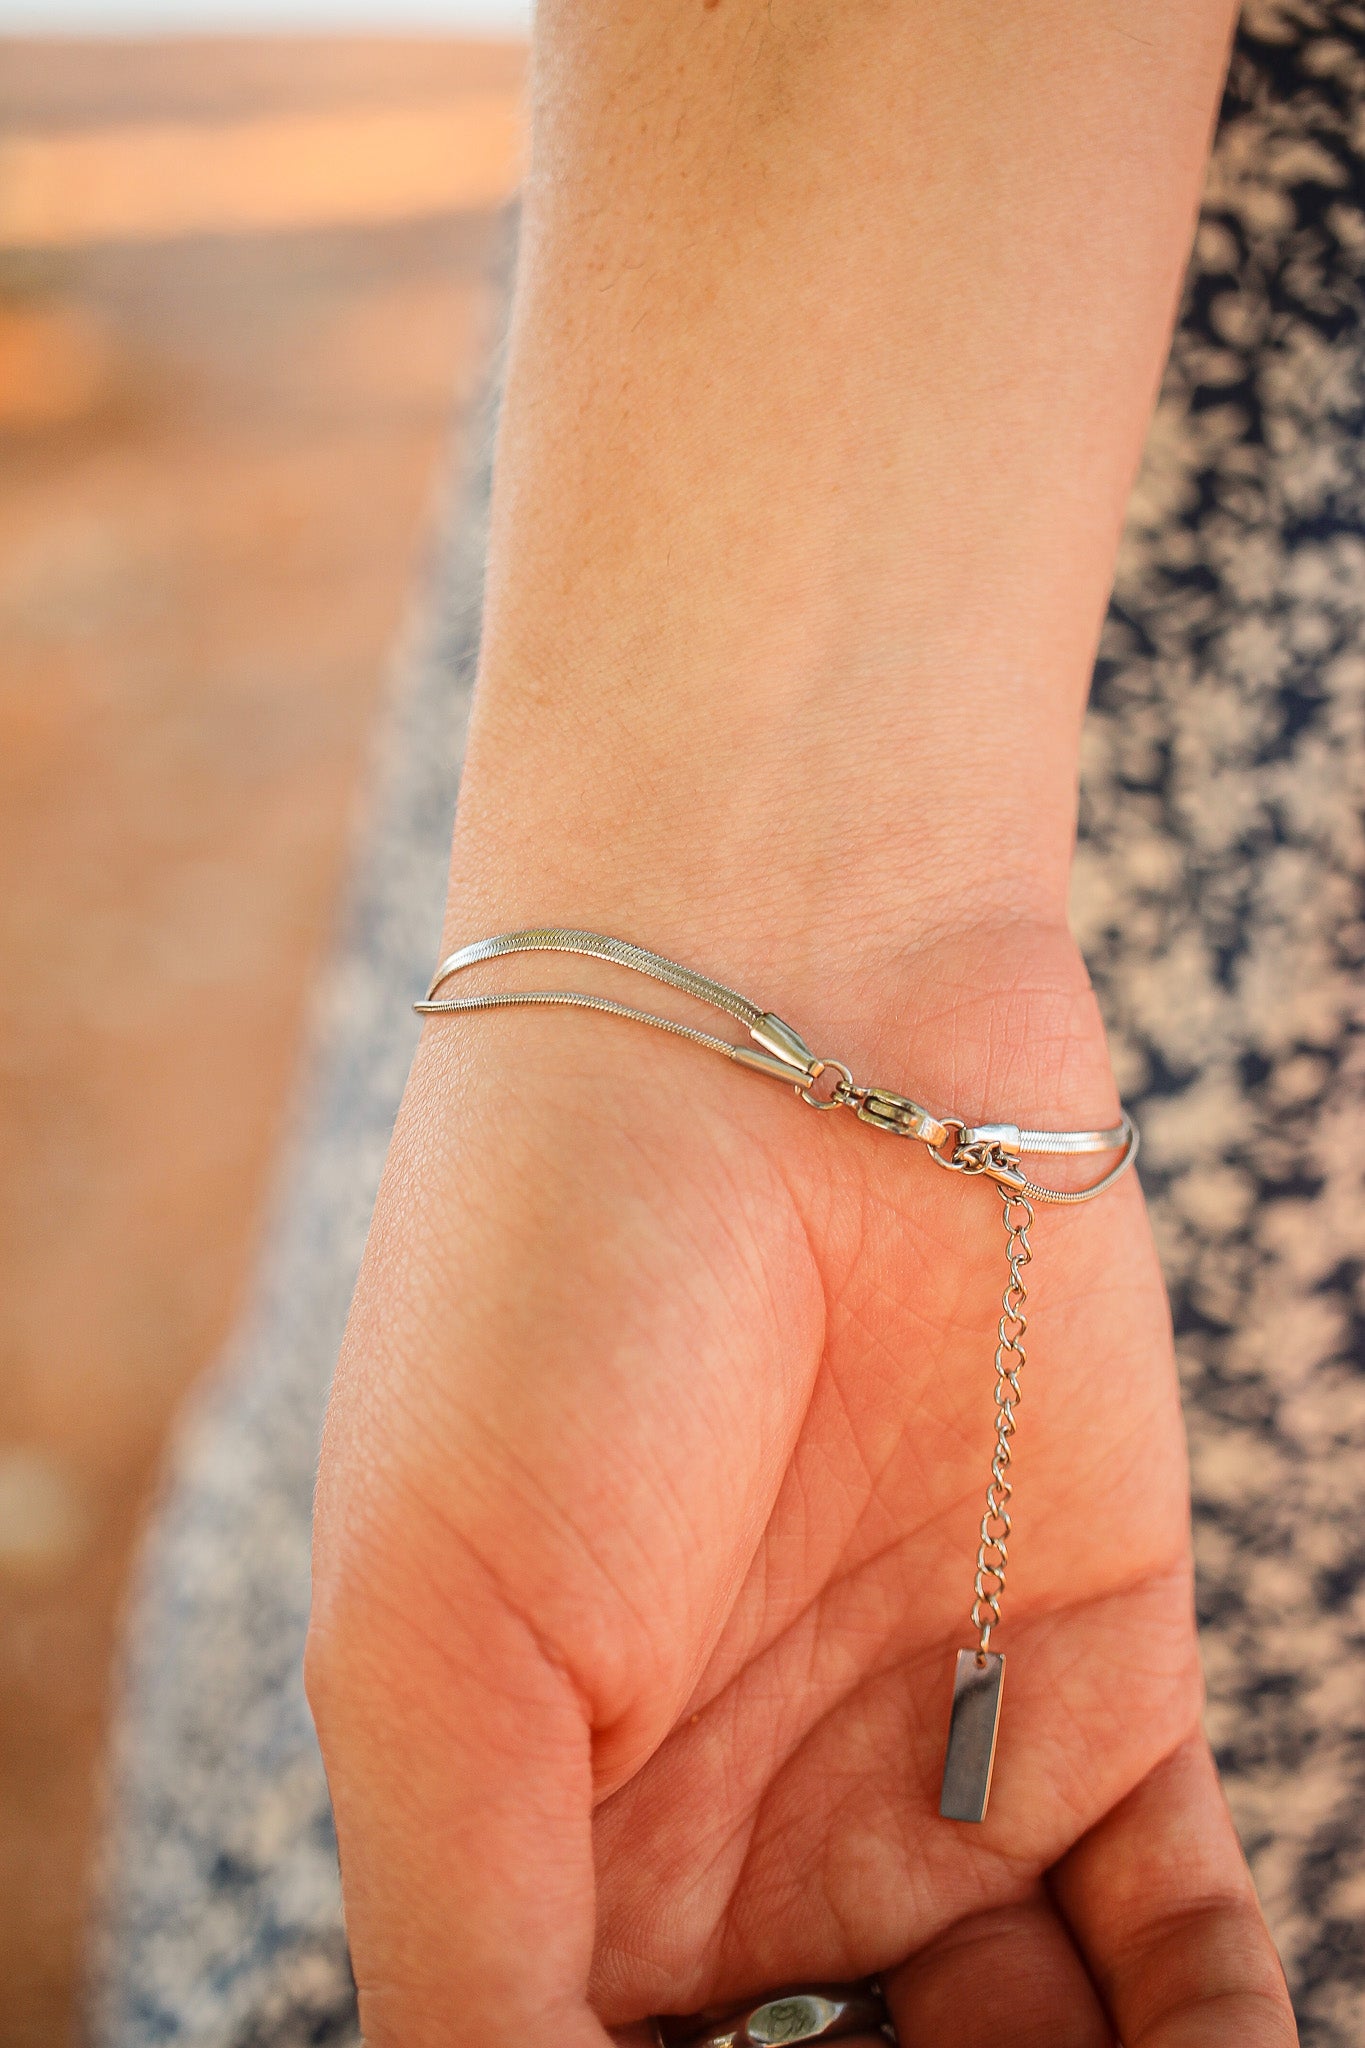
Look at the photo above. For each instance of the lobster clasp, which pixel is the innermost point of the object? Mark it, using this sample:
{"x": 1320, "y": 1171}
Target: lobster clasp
{"x": 897, "y": 1113}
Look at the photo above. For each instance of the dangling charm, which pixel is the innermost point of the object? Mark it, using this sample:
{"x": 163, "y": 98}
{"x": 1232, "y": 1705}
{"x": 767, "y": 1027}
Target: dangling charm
{"x": 967, "y": 1768}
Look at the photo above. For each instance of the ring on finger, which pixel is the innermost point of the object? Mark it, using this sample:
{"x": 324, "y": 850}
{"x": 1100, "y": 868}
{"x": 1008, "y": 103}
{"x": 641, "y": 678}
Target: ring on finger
{"x": 804, "y": 2012}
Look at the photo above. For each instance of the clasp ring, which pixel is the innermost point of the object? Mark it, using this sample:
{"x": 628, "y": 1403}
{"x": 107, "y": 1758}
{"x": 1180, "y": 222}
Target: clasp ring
{"x": 954, "y": 1127}
{"x": 834, "y": 1101}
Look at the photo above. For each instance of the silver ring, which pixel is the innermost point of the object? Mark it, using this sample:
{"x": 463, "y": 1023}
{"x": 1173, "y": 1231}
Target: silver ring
{"x": 805, "y": 2012}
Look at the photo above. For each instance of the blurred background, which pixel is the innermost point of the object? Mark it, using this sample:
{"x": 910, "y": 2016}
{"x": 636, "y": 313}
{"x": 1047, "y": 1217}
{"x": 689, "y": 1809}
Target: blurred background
{"x": 244, "y": 305}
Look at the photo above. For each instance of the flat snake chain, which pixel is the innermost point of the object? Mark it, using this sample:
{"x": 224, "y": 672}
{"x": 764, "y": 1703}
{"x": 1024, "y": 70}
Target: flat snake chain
{"x": 783, "y": 1055}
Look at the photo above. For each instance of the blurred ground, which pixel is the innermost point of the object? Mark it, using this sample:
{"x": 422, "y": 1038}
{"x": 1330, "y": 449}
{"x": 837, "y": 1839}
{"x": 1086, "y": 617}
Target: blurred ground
{"x": 219, "y": 447}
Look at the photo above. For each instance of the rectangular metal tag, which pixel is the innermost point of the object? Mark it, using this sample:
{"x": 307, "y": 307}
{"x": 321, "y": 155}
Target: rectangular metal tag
{"x": 971, "y": 1735}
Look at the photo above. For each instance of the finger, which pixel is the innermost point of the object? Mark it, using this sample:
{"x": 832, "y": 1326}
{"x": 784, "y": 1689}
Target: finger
{"x": 1160, "y": 1900}
{"x": 1012, "y": 1974}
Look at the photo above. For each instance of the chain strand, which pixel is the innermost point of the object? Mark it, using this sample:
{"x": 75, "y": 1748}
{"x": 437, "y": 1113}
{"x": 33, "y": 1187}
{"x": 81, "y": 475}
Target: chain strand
{"x": 992, "y": 1555}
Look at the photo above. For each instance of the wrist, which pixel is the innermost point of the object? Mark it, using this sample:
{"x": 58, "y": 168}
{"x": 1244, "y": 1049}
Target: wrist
{"x": 807, "y": 814}
{"x": 986, "y": 1014}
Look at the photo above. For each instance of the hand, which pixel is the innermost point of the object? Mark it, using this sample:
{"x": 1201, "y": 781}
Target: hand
{"x": 646, "y": 1527}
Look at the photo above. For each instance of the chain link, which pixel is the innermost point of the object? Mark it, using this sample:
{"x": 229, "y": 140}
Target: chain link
{"x": 992, "y": 1557}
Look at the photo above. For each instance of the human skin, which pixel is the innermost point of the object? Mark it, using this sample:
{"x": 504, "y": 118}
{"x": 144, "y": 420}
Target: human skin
{"x": 653, "y": 1468}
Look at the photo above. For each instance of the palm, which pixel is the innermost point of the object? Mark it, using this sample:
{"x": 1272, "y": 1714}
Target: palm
{"x": 676, "y": 1404}
{"x": 787, "y": 1825}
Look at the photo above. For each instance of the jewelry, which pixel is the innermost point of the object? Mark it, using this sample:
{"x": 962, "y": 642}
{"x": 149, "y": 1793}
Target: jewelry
{"x": 992, "y": 1150}
{"x": 806, "y": 2012}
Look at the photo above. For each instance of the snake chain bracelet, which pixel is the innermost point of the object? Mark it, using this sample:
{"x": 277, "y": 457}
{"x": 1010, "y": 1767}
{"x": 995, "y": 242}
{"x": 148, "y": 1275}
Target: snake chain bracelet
{"x": 992, "y": 1151}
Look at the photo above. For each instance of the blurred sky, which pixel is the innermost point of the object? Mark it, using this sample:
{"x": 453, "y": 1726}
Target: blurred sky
{"x": 133, "y": 17}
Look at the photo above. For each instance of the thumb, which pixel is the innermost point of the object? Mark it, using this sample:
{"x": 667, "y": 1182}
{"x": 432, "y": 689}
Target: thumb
{"x": 459, "y": 1762}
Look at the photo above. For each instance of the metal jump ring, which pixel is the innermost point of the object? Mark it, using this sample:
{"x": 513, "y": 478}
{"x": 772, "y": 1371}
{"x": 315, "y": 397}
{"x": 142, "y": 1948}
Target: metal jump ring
{"x": 949, "y": 1161}
{"x": 817, "y": 1101}
{"x": 810, "y": 2012}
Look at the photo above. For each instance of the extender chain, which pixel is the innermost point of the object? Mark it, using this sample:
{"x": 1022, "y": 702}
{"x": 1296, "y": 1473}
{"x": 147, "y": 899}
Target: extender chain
{"x": 994, "y": 1150}
{"x": 993, "y": 1553}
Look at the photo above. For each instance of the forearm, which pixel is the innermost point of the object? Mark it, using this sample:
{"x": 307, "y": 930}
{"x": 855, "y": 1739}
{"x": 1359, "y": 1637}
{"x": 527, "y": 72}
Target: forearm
{"x": 837, "y": 332}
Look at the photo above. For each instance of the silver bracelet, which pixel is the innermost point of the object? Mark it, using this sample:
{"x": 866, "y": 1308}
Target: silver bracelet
{"x": 992, "y": 1150}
